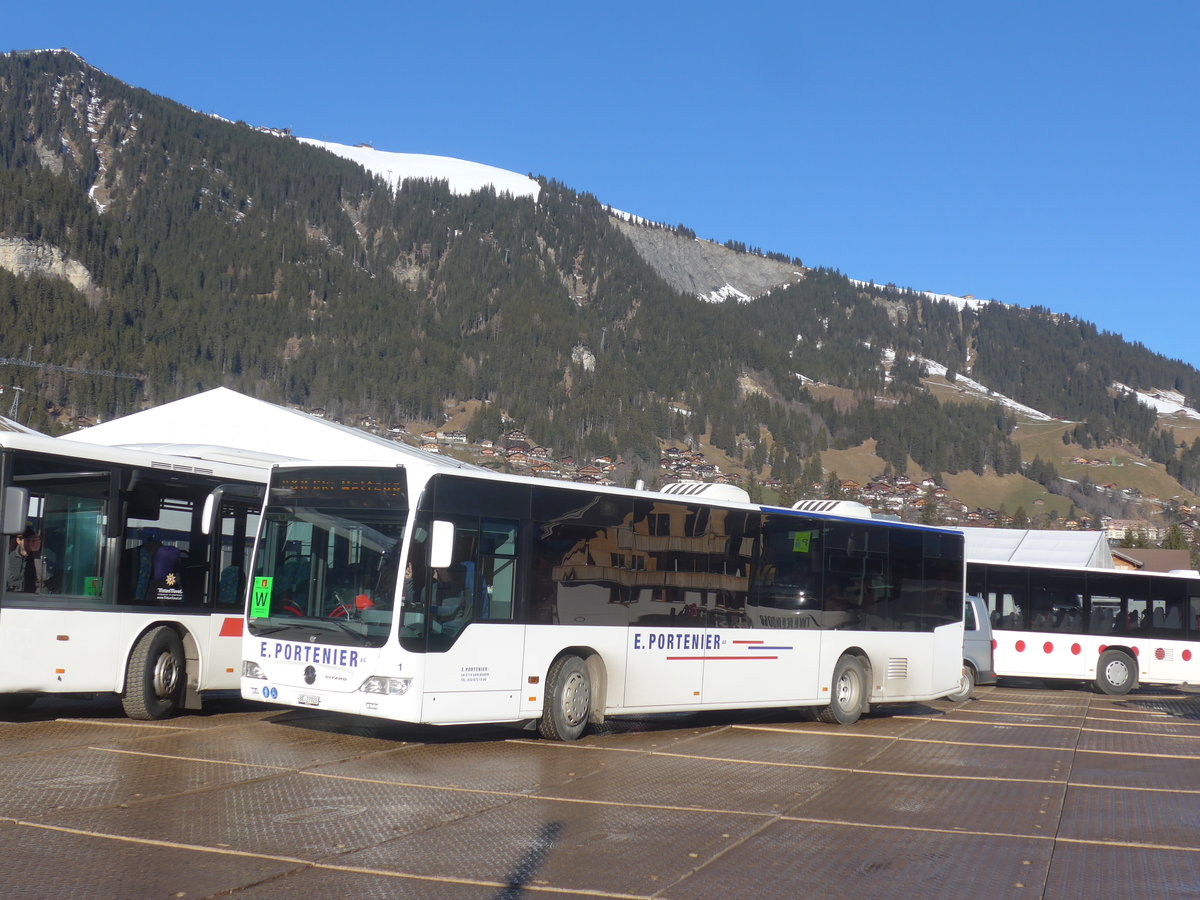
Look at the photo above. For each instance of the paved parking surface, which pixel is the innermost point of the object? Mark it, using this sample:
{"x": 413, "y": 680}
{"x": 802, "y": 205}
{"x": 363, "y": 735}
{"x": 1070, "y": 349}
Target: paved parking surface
{"x": 1023, "y": 792}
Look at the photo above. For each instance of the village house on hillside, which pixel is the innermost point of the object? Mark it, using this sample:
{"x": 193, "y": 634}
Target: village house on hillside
{"x": 1116, "y": 529}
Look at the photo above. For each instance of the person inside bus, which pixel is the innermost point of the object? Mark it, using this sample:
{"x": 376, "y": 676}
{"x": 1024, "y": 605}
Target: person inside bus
{"x": 142, "y": 564}
{"x": 452, "y": 591}
{"x": 26, "y": 570}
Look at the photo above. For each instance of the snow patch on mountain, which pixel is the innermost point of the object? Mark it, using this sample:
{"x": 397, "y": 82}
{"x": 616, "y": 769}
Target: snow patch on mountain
{"x": 463, "y": 176}
{"x": 967, "y": 385}
{"x": 1165, "y": 403}
{"x": 723, "y": 293}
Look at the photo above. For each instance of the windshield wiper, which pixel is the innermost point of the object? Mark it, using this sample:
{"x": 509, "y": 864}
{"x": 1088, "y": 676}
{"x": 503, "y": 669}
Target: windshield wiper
{"x": 344, "y": 626}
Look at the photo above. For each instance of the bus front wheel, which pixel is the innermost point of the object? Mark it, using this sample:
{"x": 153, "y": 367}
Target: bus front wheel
{"x": 849, "y": 692}
{"x": 1116, "y": 673}
{"x": 154, "y": 676}
{"x": 568, "y": 700}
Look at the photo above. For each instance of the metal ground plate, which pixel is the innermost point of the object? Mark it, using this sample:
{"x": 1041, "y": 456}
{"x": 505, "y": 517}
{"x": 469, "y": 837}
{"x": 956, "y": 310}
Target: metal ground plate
{"x": 1024, "y": 792}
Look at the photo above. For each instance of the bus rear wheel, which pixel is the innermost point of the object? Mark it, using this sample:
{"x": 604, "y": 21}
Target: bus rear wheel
{"x": 154, "y": 676}
{"x": 1116, "y": 673}
{"x": 568, "y": 700}
{"x": 849, "y": 692}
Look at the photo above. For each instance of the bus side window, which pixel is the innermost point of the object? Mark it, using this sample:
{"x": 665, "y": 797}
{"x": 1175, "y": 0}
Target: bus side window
{"x": 497, "y": 569}
{"x": 165, "y": 560}
{"x": 67, "y": 514}
{"x": 235, "y": 539}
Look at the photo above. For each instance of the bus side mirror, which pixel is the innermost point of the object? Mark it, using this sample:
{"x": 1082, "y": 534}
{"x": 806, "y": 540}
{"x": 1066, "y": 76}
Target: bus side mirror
{"x": 210, "y": 503}
{"x": 16, "y": 509}
{"x": 441, "y": 545}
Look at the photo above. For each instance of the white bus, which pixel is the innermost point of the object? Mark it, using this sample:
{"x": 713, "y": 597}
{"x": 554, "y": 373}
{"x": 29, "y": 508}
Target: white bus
{"x": 424, "y": 595}
{"x": 125, "y": 573}
{"x": 1115, "y": 628}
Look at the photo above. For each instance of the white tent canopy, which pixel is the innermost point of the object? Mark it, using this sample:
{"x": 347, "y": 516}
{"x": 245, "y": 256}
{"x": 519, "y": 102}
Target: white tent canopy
{"x": 222, "y": 424}
{"x": 1029, "y": 547}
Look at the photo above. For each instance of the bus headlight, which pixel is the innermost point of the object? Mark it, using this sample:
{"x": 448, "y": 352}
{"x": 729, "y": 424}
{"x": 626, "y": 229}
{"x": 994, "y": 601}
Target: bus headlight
{"x": 382, "y": 684}
{"x": 251, "y": 669}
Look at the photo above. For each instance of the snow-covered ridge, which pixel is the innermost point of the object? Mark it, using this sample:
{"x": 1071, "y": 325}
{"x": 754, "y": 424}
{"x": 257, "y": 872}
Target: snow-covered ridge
{"x": 463, "y": 176}
{"x": 965, "y": 302}
{"x": 1165, "y": 403}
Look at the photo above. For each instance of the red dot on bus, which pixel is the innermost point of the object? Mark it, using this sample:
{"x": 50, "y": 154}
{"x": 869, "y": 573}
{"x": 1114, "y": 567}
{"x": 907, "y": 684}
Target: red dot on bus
{"x": 1103, "y": 647}
{"x": 1160, "y": 653}
{"x": 1136, "y": 652}
{"x": 1048, "y": 647}
{"x": 1020, "y": 646}
{"x": 996, "y": 643}
{"x": 1076, "y": 649}
{"x": 1187, "y": 655}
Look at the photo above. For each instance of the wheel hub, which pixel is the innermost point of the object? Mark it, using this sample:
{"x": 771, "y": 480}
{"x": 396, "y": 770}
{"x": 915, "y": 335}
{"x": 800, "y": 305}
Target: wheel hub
{"x": 845, "y": 690}
{"x": 575, "y": 698}
{"x": 1116, "y": 672}
{"x": 166, "y": 675}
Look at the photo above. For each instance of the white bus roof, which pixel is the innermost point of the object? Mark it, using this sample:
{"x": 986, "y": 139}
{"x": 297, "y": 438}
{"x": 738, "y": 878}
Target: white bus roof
{"x": 161, "y": 459}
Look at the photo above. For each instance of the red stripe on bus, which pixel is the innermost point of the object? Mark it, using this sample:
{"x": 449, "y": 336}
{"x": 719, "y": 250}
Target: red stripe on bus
{"x": 231, "y": 628}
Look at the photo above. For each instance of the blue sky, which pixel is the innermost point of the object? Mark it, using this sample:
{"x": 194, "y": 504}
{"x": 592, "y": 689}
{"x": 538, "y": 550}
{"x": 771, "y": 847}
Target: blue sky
{"x": 1039, "y": 154}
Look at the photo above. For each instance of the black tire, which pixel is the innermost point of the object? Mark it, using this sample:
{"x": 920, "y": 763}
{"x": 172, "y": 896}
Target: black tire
{"x": 966, "y": 686}
{"x": 1116, "y": 673}
{"x": 849, "y": 693}
{"x": 155, "y": 676}
{"x": 568, "y": 702}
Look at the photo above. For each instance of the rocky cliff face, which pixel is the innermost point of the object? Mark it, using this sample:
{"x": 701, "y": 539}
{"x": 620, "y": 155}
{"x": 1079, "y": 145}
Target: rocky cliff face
{"x": 705, "y": 269}
{"x": 24, "y": 257}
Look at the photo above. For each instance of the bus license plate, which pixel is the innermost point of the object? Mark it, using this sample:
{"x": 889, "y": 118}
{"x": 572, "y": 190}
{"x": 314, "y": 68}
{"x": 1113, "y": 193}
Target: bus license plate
{"x": 308, "y": 699}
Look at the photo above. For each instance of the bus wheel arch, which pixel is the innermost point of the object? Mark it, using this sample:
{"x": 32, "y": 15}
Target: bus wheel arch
{"x": 1116, "y": 671}
{"x": 156, "y": 674}
{"x": 574, "y": 682}
{"x": 849, "y": 689}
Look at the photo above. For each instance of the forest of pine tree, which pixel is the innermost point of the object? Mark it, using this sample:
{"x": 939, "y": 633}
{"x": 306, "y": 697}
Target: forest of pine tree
{"x": 219, "y": 254}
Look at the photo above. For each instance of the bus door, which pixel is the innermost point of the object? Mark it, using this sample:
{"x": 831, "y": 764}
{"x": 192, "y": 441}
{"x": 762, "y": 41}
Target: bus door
{"x": 473, "y": 651}
{"x": 230, "y": 517}
{"x": 54, "y": 573}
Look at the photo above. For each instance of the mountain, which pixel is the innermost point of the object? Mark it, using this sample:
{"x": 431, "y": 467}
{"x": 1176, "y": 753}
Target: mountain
{"x": 148, "y": 252}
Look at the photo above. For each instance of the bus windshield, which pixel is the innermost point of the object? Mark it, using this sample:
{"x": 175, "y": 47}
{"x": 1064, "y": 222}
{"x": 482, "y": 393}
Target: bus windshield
{"x": 325, "y": 565}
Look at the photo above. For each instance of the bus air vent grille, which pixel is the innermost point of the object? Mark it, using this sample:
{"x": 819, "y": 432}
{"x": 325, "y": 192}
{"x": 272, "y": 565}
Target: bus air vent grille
{"x": 897, "y": 668}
